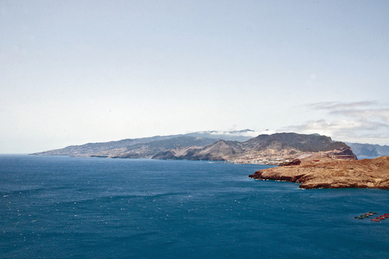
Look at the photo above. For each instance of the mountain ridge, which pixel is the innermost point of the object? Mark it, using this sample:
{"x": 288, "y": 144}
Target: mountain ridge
{"x": 269, "y": 149}
{"x": 369, "y": 150}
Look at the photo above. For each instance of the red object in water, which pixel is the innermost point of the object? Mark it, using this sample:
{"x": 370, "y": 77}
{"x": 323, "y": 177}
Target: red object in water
{"x": 386, "y": 214}
{"x": 382, "y": 218}
{"x": 376, "y": 220}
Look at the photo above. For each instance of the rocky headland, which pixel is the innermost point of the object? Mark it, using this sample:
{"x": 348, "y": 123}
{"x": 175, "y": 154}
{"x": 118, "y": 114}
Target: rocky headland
{"x": 322, "y": 171}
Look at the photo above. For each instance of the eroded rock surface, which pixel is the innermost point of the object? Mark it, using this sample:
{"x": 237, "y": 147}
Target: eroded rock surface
{"x": 325, "y": 172}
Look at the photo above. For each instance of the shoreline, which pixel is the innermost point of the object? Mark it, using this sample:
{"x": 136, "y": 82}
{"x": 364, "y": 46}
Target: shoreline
{"x": 366, "y": 173}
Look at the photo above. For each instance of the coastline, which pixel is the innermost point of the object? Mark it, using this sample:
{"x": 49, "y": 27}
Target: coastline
{"x": 332, "y": 174}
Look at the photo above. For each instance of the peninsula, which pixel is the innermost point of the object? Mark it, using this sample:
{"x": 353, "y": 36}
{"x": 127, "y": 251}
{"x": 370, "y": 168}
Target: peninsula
{"x": 321, "y": 171}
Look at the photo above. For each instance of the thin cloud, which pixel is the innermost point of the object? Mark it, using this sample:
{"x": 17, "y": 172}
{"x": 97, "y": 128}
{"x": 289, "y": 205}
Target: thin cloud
{"x": 356, "y": 110}
{"x": 369, "y": 114}
{"x": 361, "y": 122}
{"x": 334, "y": 106}
{"x": 337, "y": 126}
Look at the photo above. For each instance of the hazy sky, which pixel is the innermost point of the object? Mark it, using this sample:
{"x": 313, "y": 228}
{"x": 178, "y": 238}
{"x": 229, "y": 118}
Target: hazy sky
{"x": 73, "y": 72}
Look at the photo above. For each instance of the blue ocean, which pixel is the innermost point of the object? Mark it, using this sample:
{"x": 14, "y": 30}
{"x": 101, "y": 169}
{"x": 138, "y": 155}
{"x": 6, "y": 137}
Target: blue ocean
{"x": 61, "y": 207}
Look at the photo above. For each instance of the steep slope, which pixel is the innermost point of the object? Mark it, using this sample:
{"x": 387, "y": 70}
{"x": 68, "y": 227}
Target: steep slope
{"x": 219, "y": 151}
{"x": 294, "y": 141}
{"x": 269, "y": 149}
{"x": 151, "y": 149}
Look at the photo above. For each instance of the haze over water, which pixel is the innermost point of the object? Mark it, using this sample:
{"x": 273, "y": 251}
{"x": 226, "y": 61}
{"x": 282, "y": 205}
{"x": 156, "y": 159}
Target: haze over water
{"x": 73, "y": 72}
{"x": 60, "y": 207}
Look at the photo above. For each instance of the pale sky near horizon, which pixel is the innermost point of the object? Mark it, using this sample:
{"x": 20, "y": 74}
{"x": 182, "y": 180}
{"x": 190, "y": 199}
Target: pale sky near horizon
{"x": 73, "y": 72}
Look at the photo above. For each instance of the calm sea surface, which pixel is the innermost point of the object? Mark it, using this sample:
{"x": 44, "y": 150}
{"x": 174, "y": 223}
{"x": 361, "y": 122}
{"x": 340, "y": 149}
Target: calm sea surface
{"x": 60, "y": 207}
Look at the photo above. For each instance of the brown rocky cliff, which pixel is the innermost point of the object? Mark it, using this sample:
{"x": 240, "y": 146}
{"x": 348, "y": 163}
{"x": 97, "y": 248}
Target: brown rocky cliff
{"x": 319, "y": 172}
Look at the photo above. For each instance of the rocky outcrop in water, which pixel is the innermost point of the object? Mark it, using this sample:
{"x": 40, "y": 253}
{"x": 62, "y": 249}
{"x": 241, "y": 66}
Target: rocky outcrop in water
{"x": 325, "y": 172}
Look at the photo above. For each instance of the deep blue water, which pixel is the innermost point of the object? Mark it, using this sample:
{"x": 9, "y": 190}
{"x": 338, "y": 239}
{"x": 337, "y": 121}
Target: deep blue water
{"x": 60, "y": 207}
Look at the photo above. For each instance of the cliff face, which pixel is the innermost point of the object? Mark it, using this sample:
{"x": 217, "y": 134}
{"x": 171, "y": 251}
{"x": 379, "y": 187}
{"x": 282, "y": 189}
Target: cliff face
{"x": 300, "y": 142}
{"x": 325, "y": 172}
